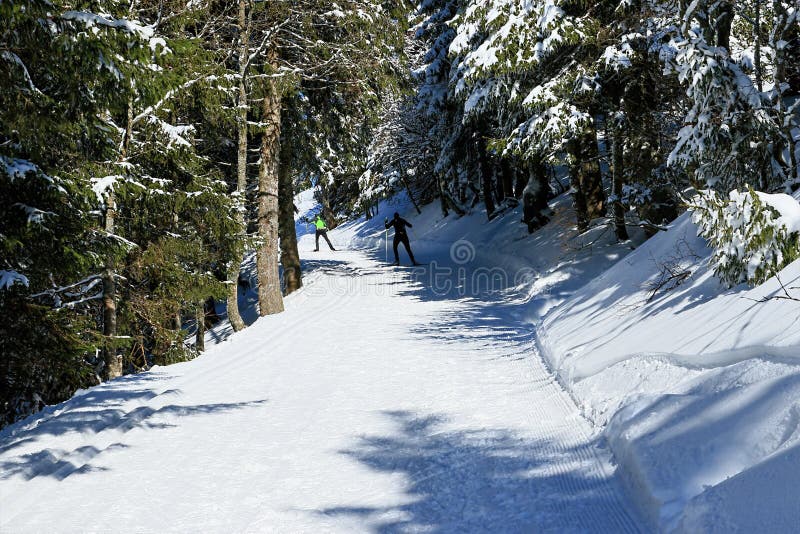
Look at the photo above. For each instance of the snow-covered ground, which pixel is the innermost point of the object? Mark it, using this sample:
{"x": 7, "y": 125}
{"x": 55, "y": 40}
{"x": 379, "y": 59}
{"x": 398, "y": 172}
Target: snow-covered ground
{"x": 529, "y": 383}
{"x": 382, "y": 400}
{"x": 699, "y": 385}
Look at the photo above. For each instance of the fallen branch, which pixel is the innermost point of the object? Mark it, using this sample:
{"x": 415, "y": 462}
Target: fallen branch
{"x": 785, "y": 296}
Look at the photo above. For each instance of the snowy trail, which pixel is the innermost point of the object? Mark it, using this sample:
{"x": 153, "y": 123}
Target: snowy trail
{"x": 372, "y": 404}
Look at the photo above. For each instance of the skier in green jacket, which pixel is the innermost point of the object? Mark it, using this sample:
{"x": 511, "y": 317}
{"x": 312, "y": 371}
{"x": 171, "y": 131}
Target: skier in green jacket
{"x": 322, "y": 230}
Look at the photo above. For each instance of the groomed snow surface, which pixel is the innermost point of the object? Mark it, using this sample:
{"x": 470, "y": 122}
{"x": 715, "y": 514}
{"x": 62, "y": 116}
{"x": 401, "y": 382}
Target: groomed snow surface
{"x": 378, "y": 402}
{"x": 514, "y": 383}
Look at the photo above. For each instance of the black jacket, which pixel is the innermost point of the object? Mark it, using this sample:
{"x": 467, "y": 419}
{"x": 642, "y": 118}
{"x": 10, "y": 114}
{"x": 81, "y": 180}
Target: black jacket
{"x": 399, "y": 226}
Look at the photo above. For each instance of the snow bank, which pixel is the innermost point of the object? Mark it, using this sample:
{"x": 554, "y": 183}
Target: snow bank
{"x": 699, "y": 385}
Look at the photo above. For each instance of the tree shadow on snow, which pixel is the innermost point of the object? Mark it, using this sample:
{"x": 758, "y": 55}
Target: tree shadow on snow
{"x": 482, "y": 481}
{"x": 99, "y": 410}
{"x": 483, "y": 308}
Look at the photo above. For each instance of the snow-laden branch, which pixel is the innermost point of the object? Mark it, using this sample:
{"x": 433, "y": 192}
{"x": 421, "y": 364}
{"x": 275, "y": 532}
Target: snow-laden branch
{"x": 72, "y": 304}
{"x": 89, "y": 19}
{"x": 9, "y": 278}
{"x": 90, "y": 281}
{"x": 172, "y": 92}
{"x": 35, "y": 215}
{"x": 265, "y": 41}
{"x": 15, "y": 59}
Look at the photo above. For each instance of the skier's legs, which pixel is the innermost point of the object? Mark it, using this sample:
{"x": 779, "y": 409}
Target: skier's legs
{"x": 408, "y": 248}
{"x": 317, "y": 240}
{"x": 325, "y": 235}
{"x": 394, "y": 247}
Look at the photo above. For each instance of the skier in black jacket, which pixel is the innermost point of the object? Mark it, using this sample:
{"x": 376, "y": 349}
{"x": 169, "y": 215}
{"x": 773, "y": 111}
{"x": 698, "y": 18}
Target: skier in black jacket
{"x": 400, "y": 236}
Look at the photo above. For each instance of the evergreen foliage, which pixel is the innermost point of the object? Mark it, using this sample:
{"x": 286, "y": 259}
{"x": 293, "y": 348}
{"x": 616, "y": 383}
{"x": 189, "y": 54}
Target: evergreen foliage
{"x": 146, "y": 145}
{"x": 751, "y": 239}
{"x": 122, "y": 213}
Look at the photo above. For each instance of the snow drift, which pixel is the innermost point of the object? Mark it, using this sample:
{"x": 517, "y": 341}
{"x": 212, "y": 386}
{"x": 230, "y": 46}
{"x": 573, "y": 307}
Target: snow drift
{"x": 698, "y": 384}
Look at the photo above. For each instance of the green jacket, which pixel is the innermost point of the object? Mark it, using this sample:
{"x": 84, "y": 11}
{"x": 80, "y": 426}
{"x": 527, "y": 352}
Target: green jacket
{"x": 320, "y": 224}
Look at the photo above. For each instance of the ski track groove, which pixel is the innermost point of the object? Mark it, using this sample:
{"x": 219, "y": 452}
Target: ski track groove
{"x": 504, "y": 359}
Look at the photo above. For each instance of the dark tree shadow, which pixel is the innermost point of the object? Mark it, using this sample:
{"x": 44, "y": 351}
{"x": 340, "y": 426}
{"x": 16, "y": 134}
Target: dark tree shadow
{"x": 484, "y": 481}
{"x": 92, "y": 412}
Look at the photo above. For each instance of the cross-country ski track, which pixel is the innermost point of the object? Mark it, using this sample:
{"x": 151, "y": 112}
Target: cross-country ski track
{"x": 374, "y": 403}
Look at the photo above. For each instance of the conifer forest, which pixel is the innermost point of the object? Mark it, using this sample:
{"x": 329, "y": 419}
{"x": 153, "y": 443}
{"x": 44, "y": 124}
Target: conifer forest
{"x": 162, "y": 161}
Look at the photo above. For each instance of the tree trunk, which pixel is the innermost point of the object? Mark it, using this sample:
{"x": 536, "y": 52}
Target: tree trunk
{"x": 723, "y": 23}
{"x": 757, "y": 47}
{"x": 486, "y": 179}
{"x": 111, "y": 357}
{"x": 270, "y": 299}
{"x": 290, "y": 257}
{"x": 243, "y": 26}
{"x": 520, "y": 181}
{"x": 497, "y": 180}
{"x": 618, "y": 177}
{"x": 578, "y": 196}
{"x": 591, "y": 180}
{"x": 200, "y": 332}
{"x": 507, "y": 170}
{"x": 410, "y": 194}
{"x": 534, "y": 197}
{"x": 442, "y": 198}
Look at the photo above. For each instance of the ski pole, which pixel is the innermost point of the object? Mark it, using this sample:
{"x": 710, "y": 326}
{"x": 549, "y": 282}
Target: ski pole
{"x": 386, "y": 246}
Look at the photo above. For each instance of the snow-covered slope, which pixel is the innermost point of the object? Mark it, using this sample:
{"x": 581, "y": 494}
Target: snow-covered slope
{"x": 699, "y": 384}
{"x": 414, "y": 399}
{"x": 382, "y": 400}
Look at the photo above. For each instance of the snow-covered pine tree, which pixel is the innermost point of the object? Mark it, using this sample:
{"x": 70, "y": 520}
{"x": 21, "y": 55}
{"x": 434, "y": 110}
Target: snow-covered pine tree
{"x": 61, "y": 84}
{"x": 433, "y": 100}
{"x": 529, "y": 66}
{"x": 638, "y": 104}
{"x": 752, "y": 239}
{"x": 731, "y": 131}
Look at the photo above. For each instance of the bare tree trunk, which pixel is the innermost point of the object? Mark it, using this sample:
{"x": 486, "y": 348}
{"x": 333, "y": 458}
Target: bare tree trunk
{"x": 757, "y": 47}
{"x": 534, "y": 197}
{"x": 232, "y": 300}
{"x": 590, "y": 177}
{"x": 111, "y": 357}
{"x": 486, "y": 179}
{"x": 586, "y": 180}
{"x": 200, "y": 332}
{"x": 290, "y": 257}
{"x": 578, "y": 196}
{"x": 618, "y": 177}
{"x": 507, "y": 174}
{"x": 497, "y": 181}
{"x": 243, "y": 25}
{"x": 270, "y": 299}
{"x": 724, "y": 22}
{"x": 410, "y": 194}
{"x": 519, "y": 183}
{"x": 442, "y": 198}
